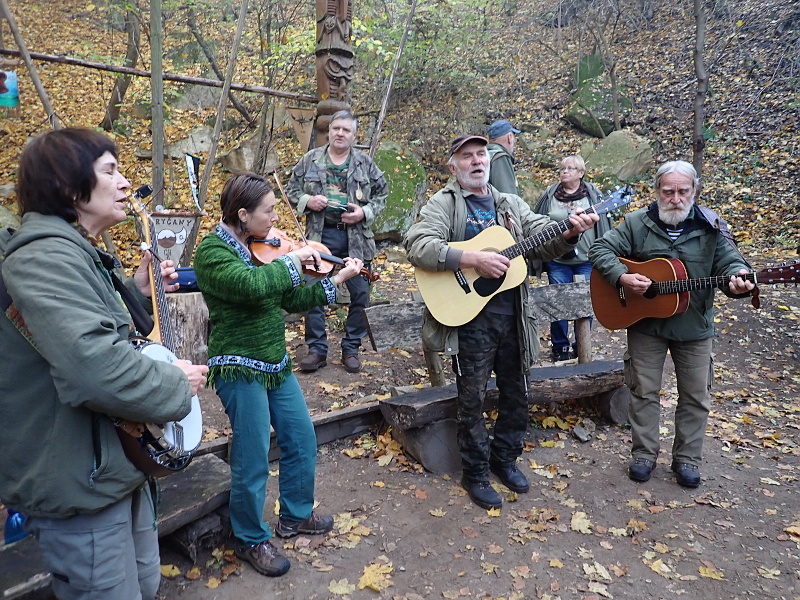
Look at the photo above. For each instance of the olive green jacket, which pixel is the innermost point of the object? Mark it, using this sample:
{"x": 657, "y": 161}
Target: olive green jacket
{"x": 366, "y": 187}
{"x": 443, "y": 219}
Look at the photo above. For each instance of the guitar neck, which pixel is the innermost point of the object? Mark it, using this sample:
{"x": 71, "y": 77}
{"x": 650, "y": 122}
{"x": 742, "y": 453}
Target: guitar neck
{"x": 545, "y": 235}
{"x": 687, "y": 285}
{"x": 160, "y": 305}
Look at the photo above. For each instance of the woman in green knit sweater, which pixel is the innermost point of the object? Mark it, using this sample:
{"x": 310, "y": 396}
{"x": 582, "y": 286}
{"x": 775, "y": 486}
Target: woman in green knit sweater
{"x": 252, "y": 372}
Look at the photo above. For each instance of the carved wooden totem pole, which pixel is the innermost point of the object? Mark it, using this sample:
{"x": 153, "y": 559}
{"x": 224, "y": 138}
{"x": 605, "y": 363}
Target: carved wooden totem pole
{"x": 334, "y": 56}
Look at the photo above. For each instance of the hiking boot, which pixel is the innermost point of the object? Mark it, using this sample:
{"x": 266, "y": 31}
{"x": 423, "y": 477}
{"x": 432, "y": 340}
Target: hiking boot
{"x": 482, "y": 493}
{"x": 687, "y": 475}
{"x": 511, "y": 477}
{"x": 264, "y": 558}
{"x": 640, "y": 469}
{"x": 313, "y": 361}
{"x": 561, "y": 354}
{"x": 351, "y": 363}
{"x": 313, "y": 525}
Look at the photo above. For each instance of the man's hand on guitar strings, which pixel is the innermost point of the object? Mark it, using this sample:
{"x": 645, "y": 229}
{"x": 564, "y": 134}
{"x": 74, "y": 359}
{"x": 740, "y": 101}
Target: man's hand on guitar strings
{"x": 635, "y": 283}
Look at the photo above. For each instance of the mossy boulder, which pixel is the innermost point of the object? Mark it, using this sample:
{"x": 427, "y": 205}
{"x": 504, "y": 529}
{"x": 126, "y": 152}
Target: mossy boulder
{"x": 407, "y": 186}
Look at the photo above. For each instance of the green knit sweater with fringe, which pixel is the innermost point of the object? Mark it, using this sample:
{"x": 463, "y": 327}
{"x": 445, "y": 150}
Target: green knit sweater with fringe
{"x": 244, "y": 304}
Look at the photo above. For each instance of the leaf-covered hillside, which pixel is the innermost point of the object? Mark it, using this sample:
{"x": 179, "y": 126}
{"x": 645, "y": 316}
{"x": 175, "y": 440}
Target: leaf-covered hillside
{"x": 466, "y": 63}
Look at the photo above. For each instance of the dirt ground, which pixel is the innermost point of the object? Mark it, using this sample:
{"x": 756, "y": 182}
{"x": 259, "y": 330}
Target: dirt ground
{"x": 584, "y": 530}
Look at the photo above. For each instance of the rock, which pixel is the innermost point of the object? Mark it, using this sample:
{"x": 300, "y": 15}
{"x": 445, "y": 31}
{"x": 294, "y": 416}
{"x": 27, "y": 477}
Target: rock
{"x": 623, "y": 155}
{"x": 243, "y": 156}
{"x": 582, "y": 434}
{"x": 591, "y": 109}
{"x": 9, "y": 218}
{"x": 408, "y": 183}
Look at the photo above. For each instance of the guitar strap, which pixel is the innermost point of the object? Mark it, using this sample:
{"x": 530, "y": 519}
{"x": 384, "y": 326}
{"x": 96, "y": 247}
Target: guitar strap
{"x": 142, "y": 322}
{"x": 718, "y": 223}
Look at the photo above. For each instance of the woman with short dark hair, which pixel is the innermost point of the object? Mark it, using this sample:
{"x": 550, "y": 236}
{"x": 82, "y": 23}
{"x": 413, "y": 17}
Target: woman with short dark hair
{"x": 251, "y": 370}
{"x": 68, "y": 372}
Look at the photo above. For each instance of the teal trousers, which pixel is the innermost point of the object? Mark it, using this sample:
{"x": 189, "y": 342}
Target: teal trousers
{"x": 252, "y": 410}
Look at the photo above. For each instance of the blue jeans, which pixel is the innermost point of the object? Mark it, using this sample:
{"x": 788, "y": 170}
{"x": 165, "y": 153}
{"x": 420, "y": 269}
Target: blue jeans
{"x": 355, "y": 327}
{"x": 560, "y": 273}
{"x": 252, "y": 409}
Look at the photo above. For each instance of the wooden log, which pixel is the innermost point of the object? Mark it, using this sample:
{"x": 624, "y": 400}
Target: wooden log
{"x": 562, "y": 302}
{"x": 569, "y": 382}
{"x": 613, "y": 405}
{"x": 22, "y": 572}
{"x": 545, "y": 385}
{"x": 396, "y": 325}
{"x": 194, "y": 492}
{"x": 189, "y": 315}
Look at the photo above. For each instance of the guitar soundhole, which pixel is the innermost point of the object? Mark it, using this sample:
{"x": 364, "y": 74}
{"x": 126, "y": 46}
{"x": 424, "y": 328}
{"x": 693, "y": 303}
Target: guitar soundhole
{"x": 486, "y": 287}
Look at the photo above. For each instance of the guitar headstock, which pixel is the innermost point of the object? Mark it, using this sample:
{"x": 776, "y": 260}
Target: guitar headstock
{"x": 139, "y": 209}
{"x": 615, "y": 199}
{"x": 785, "y": 273}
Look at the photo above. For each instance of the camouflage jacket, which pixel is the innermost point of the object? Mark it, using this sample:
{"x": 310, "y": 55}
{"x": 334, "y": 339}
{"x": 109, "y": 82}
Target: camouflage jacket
{"x": 366, "y": 187}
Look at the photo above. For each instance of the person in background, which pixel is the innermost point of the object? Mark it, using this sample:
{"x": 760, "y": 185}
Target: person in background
{"x": 673, "y": 226}
{"x": 502, "y": 139}
{"x": 558, "y": 202}
{"x": 503, "y": 337}
{"x": 340, "y": 191}
{"x": 68, "y": 372}
{"x": 252, "y": 372}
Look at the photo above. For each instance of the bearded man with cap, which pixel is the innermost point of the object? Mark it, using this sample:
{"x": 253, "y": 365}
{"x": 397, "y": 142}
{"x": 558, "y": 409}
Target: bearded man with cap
{"x": 502, "y": 138}
{"x": 503, "y": 337}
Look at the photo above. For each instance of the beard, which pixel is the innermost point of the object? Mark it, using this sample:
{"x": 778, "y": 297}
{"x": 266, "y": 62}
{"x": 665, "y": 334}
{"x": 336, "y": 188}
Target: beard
{"x": 674, "y": 215}
{"x": 472, "y": 182}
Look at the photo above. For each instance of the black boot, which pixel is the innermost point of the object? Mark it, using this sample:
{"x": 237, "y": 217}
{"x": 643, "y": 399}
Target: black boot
{"x": 482, "y": 493}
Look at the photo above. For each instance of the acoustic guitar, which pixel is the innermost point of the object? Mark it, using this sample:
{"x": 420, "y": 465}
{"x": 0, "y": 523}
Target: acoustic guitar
{"x": 669, "y": 293}
{"x": 159, "y": 449}
{"x": 456, "y": 297}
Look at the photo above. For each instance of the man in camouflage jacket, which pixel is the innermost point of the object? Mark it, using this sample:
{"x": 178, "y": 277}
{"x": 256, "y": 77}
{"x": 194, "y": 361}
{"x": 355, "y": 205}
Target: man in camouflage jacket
{"x": 340, "y": 191}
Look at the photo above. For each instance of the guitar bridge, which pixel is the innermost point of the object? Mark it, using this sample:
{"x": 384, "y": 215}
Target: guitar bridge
{"x": 622, "y": 300}
{"x": 462, "y": 281}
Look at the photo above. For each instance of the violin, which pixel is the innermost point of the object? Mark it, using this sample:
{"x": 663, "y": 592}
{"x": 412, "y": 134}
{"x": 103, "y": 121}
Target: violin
{"x": 279, "y": 243}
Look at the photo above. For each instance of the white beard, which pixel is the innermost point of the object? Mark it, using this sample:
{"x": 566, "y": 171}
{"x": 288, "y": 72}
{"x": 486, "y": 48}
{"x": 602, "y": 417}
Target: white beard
{"x": 674, "y": 216}
{"x": 469, "y": 181}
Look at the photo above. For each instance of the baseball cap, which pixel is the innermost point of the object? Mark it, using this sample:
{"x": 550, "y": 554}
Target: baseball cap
{"x": 463, "y": 139}
{"x": 499, "y": 128}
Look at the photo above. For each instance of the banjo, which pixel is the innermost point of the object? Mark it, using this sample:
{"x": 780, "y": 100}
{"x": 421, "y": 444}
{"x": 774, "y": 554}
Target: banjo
{"x": 158, "y": 449}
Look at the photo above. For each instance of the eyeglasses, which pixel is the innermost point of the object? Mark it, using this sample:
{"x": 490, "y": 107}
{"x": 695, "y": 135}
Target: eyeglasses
{"x": 568, "y": 169}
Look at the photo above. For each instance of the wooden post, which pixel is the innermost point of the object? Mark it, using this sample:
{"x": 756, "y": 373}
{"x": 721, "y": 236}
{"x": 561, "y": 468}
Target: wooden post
{"x": 223, "y": 100}
{"x": 157, "y": 100}
{"x": 373, "y": 146}
{"x": 26, "y": 57}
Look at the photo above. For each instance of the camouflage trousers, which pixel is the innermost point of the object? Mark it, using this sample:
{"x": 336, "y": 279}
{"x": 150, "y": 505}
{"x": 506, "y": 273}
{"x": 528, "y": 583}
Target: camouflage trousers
{"x": 490, "y": 342}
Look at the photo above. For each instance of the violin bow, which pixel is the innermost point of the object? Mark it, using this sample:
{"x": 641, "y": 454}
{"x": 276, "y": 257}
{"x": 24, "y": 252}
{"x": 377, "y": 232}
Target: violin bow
{"x": 291, "y": 208}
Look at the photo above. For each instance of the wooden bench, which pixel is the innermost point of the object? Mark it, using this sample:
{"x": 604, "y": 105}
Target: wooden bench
{"x": 187, "y": 495}
{"x": 424, "y": 421}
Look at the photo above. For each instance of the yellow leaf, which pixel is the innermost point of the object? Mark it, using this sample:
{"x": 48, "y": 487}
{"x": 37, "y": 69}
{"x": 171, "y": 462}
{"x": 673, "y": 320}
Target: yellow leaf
{"x": 711, "y": 573}
{"x": 494, "y": 512}
{"x": 213, "y": 583}
{"x": 488, "y": 568}
{"x": 354, "y": 452}
{"x": 170, "y": 571}
{"x": 376, "y": 577}
{"x": 341, "y": 587}
{"x": 554, "y": 562}
{"x": 437, "y": 512}
{"x": 547, "y": 444}
{"x": 379, "y": 484}
{"x": 193, "y": 574}
{"x": 581, "y": 523}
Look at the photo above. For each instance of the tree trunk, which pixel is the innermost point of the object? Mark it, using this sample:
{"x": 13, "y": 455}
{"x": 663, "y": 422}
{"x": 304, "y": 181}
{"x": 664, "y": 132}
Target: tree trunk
{"x": 122, "y": 83}
{"x": 698, "y": 134}
{"x": 192, "y": 21}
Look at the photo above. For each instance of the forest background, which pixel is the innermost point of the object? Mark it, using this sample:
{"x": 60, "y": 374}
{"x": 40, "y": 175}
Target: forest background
{"x": 465, "y": 64}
